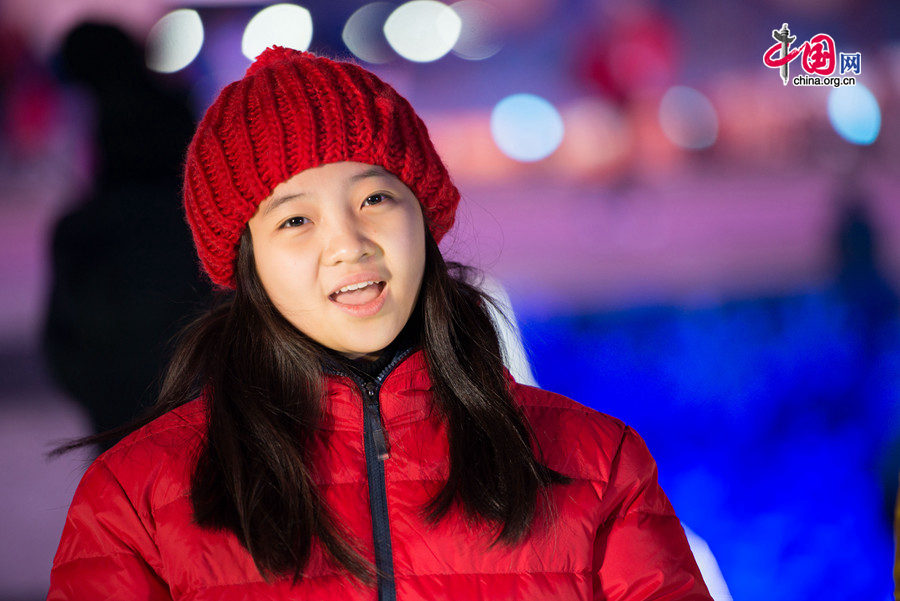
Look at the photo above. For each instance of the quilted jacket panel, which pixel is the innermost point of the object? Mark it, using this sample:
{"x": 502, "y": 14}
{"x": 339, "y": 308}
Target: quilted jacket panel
{"x": 129, "y": 533}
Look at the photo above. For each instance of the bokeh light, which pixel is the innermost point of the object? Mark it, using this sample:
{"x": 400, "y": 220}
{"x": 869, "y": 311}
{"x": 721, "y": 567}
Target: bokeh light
{"x": 598, "y": 138}
{"x": 423, "y": 30}
{"x": 854, "y": 113}
{"x": 526, "y": 127}
{"x": 174, "y": 41}
{"x": 479, "y": 37}
{"x": 688, "y": 119}
{"x": 287, "y": 25}
{"x": 363, "y": 32}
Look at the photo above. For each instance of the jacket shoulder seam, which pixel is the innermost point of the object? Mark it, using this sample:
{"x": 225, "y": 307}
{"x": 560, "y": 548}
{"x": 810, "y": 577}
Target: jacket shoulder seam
{"x": 513, "y": 573}
{"x": 69, "y": 560}
{"x": 661, "y": 514}
{"x": 127, "y": 443}
{"x": 580, "y": 408}
{"x": 205, "y": 587}
{"x": 570, "y": 405}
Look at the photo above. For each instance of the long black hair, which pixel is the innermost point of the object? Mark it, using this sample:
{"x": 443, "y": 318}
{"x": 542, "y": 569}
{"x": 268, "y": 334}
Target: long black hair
{"x": 263, "y": 379}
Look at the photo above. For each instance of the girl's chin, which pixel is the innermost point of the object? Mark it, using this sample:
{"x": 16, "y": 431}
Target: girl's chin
{"x": 366, "y": 356}
{"x": 371, "y": 350}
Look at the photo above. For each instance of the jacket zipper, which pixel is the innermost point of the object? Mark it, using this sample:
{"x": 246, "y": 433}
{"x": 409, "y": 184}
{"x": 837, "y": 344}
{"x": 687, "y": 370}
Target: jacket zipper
{"x": 374, "y": 411}
{"x": 377, "y": 451}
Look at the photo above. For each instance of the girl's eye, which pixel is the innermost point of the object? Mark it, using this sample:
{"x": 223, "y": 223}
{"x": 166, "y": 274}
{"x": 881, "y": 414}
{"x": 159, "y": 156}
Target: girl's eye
{"x": 293, "y": 222}
{"x": 381, "y": 196}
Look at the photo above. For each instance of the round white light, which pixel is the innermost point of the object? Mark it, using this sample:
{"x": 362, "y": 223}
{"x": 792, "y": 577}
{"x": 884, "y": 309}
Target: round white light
{"x": 174, "y": 41}
{"x": 422, "y": 30}
{"x": 854, "y": 114}
{"x": 688, "y": 119}
{"x": 363, "y": 34}
{"x": 526, "y": 127}
{"x": 285, "y": 25}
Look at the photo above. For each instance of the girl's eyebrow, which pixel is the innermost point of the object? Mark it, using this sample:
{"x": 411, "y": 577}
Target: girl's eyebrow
{"x": 371, "y": 172}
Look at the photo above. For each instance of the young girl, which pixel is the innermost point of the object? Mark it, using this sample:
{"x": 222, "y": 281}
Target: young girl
{"x": 342, "y": 426}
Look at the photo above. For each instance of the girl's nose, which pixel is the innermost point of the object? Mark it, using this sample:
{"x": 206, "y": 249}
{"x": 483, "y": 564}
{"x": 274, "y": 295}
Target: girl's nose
{"x": 347, "y": 242}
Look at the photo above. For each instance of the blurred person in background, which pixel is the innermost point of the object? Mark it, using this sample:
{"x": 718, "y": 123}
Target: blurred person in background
{"x": 124, "y": 272}
{"x": 861, "y": 282}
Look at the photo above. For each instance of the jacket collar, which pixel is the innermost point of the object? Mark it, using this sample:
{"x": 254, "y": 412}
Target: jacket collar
{"x": 403, "y": 395}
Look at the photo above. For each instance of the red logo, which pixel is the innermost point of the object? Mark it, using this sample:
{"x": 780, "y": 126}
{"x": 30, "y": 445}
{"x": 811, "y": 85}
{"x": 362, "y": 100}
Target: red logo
{"x": 818, "y": 54}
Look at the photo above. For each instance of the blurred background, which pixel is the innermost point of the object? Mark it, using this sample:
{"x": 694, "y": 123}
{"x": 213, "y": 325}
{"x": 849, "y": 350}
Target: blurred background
{"x": 688, "y": 243}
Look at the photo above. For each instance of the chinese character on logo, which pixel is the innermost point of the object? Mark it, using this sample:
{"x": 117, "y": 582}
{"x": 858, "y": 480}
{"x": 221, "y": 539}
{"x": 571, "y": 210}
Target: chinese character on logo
{"x": 850, "y": 62}
{"x": 819, "y": 56}
{"x": 785, "y": 39}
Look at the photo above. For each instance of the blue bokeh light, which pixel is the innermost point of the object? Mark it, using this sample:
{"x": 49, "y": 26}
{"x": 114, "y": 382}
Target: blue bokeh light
{"x": 526, "y": 127}
{"x": 854, "y": 114}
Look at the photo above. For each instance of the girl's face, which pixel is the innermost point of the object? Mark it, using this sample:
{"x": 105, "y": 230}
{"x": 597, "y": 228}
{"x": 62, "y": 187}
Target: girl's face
{"x": 338, "y": 225}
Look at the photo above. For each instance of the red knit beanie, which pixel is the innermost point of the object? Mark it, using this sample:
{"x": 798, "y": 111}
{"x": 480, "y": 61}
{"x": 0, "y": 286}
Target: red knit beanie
{"x": 294, "y": 110}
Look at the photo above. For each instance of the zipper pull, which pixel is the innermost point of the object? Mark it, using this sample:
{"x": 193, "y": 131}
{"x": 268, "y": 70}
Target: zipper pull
{"x": 381, "y": 446}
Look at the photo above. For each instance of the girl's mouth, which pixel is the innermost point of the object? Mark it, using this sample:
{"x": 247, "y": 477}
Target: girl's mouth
{"x": 362, "y": 302}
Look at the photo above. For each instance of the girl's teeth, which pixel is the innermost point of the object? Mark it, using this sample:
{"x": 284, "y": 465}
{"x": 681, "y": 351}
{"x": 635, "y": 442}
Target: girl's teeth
{"x": 355, "y": 286}
{"x": 360, "y": 294}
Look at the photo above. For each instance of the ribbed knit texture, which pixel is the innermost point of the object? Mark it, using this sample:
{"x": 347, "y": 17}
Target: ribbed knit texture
{"x": 294, "y": 110}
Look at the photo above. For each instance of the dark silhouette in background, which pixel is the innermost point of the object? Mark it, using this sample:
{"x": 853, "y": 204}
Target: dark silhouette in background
{"x": 125, "y": 277}
{"x": 872, "y": 304}
{"x": 870, "y": 299}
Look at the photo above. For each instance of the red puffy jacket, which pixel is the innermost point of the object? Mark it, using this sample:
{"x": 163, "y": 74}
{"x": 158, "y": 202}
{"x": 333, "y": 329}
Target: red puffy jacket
{"x": 129, "y": 534}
